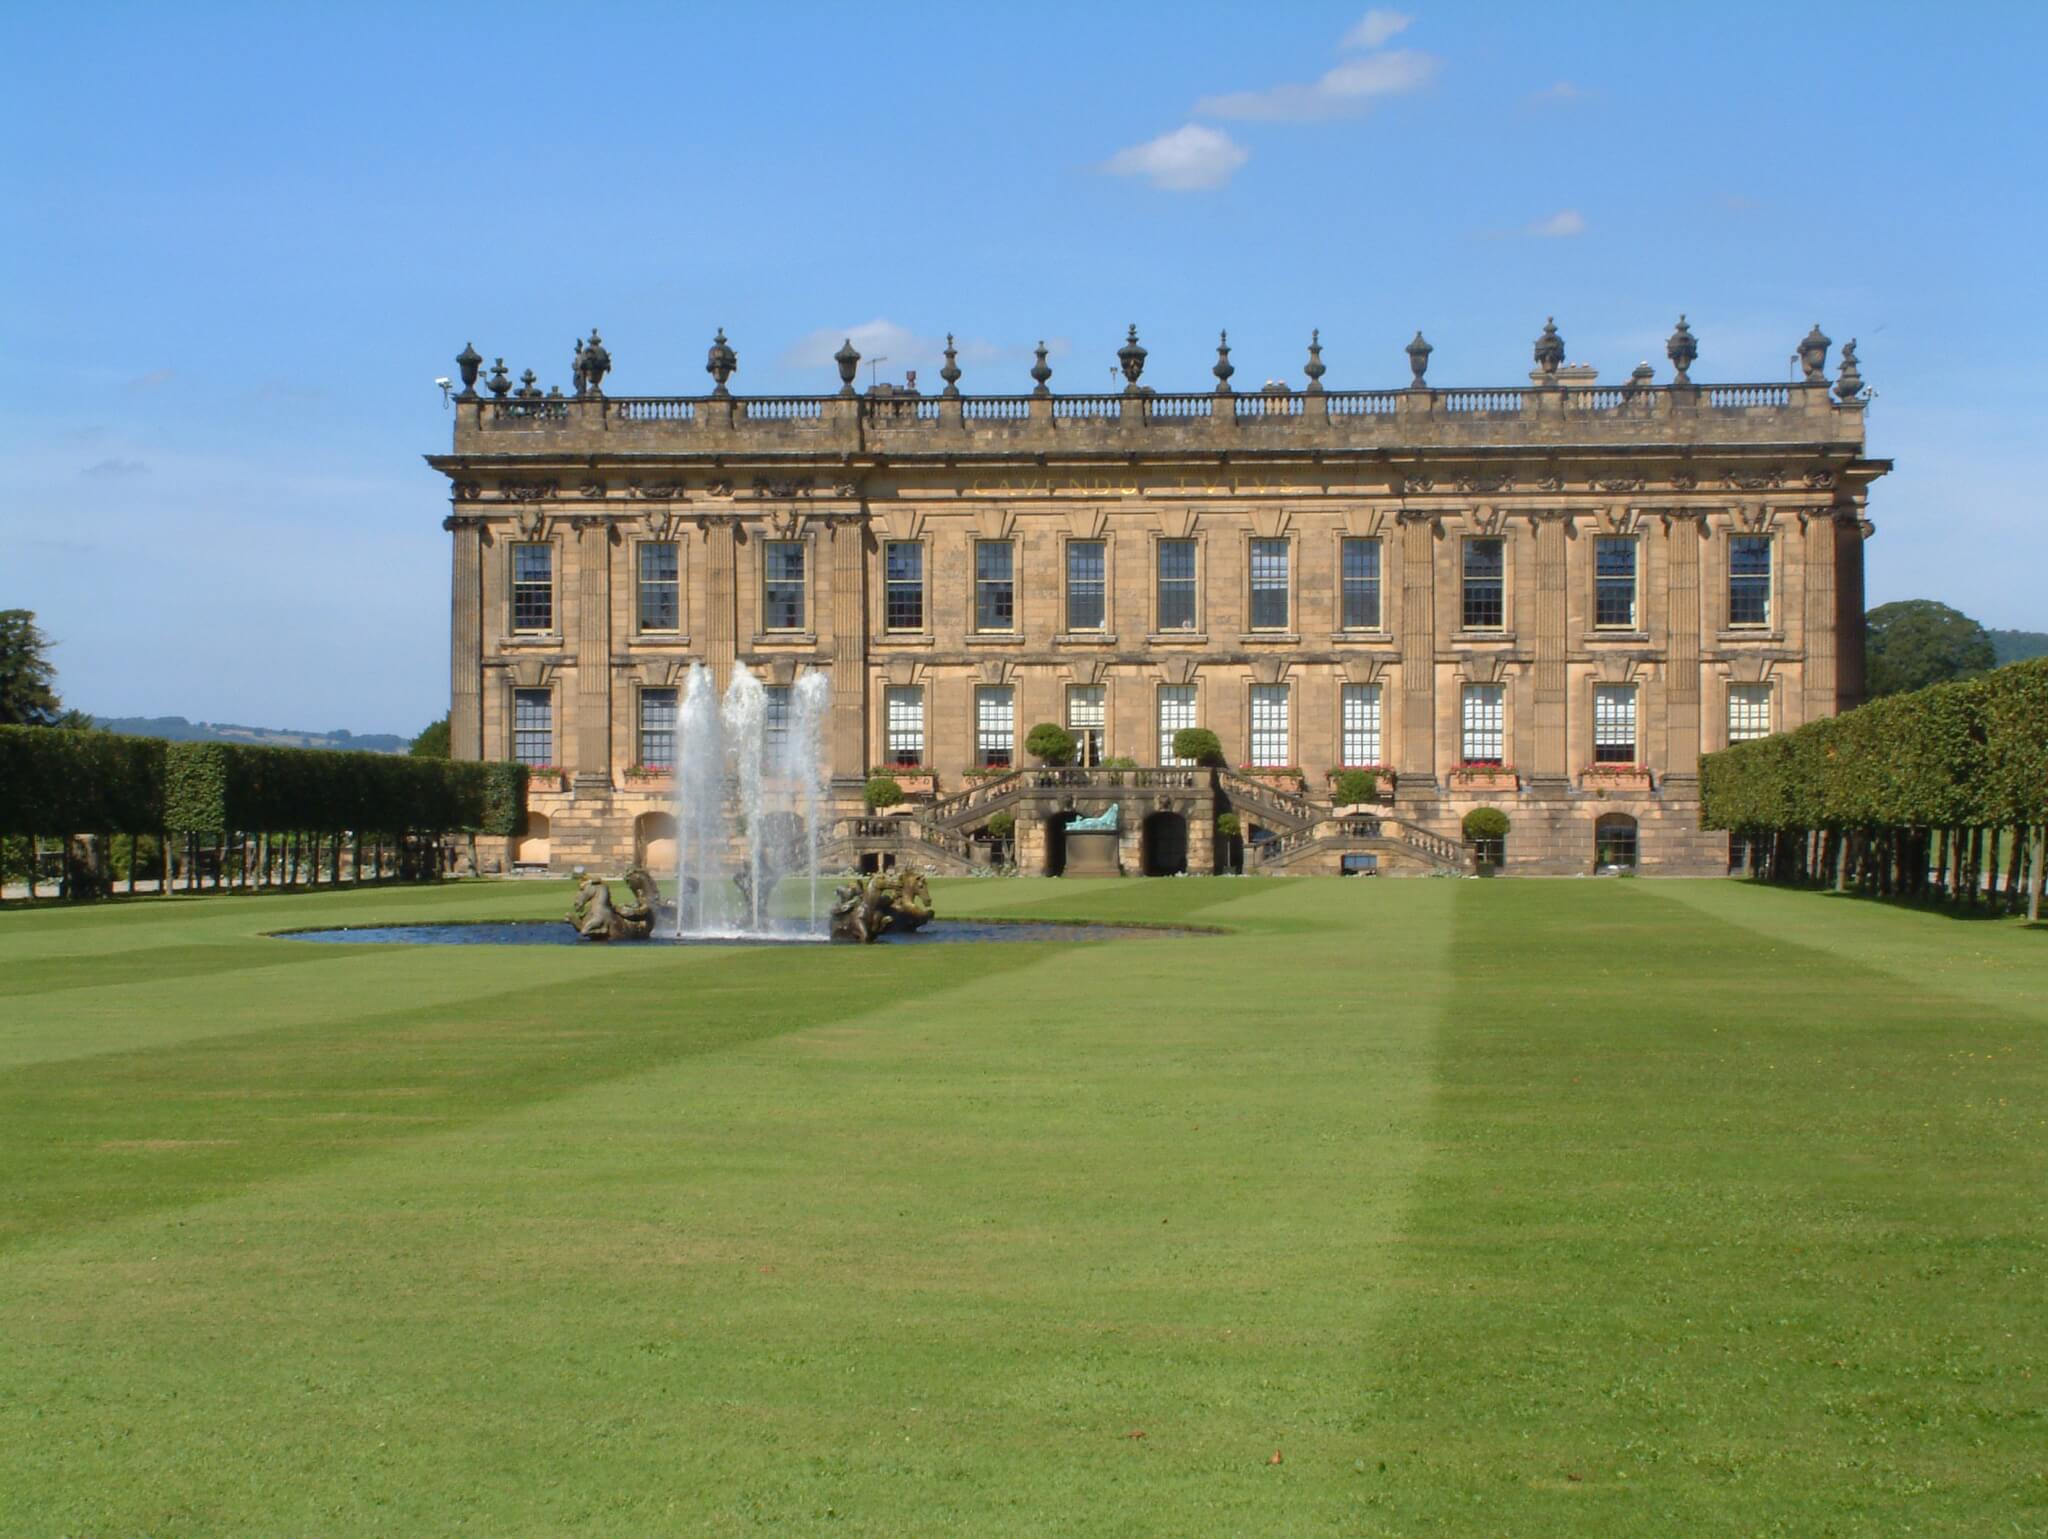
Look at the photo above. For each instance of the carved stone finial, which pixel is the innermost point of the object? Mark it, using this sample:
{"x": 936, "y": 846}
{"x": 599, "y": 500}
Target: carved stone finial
{"x": 1549, "y": 352}
{"x": 1131, "y": 357}
{"x": 469, "y": 360}
{"x": 1682, "y": 349}
{"x": 529, "y": 387}
{"x": 500, "y": 383}
{"x": 1223, "y": 368}
{"x": 1418, "y": 361}
{"x": 1041, "y": 371}
{"x": 848, "y": 359}
{"x": 1642, "y": 374}
{"x": 593, "y": 362}
{"x": 1850, "y": 384}
{"x": 721, "y": 362}
{"x": 951, "y": 372}
{"x": 1315, "y": 368}
{"x": 1813, "y": 355}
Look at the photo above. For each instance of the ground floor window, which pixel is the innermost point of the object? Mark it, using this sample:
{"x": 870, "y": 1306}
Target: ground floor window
{"x": 1484, "y": 708}
{"x": 658, "y": 728}
{"x": 995, "y": 726}
{"x": 1176, "y": 712}
{"x": 1269, "y": 726}
{"x": 1087, "y": 720}
{"x": 1614, "y": 724}
{"x": 1361, "y": 724}
{"x": 1614, "y": 843}
{"x": 1749, "y": 712}
{"x": 1359, "y": 863}
{"x": 533, "y": 726}
{"x": 903, "y": 725}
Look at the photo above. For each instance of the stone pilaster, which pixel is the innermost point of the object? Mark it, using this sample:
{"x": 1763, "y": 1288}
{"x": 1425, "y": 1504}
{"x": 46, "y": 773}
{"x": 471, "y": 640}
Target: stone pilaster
{"x": 721, "y": 596}
{"x": 466, "y": 640}
{"x": 1681, "y": 757}
{"x": 1821, "y": 618}
{"x": 849, "y": 540}
{"x": 1415, "y": 773}
{"x": 593, "y": 760}
{"x": 1551, "y": 761}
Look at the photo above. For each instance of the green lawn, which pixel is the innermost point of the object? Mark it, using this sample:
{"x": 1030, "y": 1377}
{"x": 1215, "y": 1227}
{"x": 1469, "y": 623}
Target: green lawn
{"x": 1496, "y": 1208}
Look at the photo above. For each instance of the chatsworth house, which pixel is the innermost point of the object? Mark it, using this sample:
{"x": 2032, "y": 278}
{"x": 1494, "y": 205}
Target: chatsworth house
{"x": 1548, "y": 598}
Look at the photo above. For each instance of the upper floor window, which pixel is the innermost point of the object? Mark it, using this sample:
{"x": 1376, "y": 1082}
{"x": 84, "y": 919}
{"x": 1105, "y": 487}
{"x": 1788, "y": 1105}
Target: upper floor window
{"x": 658, "y": 728}
{"x": 1484, "y": 709}
{"x": 1749, "y": 712}
{"x": 1359, "y": 562}
{"x": 1614, "y": 583}
{"x": 782, "y": 585}
{"x": 533, "y": 726}
{"x": 995, "y": 725}
{"x": 1269, "y": 585}
{"x": 1176, "y": 712}
{"x": 995, "y": 586}
{"x": 1176, "y": 585}
{"x": 903, "y": 585}
{"x": 1361, "y": 708}
{"x": 1087, "y": 574}
{"x": 1749, "y": 579}
{"x": 1614, "y": 724}
{"x": 1485, "y": 574}
{"x": 903, "y": 725}
{"x": 533, "y": 587}
{"x": 1087, "y": 719}
{"x": 1269, "y": 725}
{"x": 660, "y": 590}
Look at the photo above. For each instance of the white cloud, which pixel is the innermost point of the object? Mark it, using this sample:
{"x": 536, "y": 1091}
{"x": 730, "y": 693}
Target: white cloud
{"x": 1351, "y": 87}
{"x": 1188, "y": 159}
{"x": 116, "y": 468}
{"x": 1561, "y": 94}
{"x": 1375, "y": 29}
{"x": 904, "y": 348}
{"x": 1565, "y": 222}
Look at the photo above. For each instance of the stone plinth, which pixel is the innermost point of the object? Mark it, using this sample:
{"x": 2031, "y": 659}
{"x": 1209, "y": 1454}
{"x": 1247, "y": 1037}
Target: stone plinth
{"x": 1093, "y": 852}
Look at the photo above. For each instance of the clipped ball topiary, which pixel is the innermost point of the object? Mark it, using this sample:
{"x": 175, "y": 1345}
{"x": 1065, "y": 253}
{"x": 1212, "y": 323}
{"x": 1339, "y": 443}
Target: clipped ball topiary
{"x": 1001, "y": 825}
{"x": 1354, "y": 786}
{"x": 1200, "y": 745}
{"x": 881, "y": 791}
{"x": 1486, "y": 823}
{"x": 1227, "y": 824}
{"x": 1050, "y": 743}
{"x": 1118, "y": 761}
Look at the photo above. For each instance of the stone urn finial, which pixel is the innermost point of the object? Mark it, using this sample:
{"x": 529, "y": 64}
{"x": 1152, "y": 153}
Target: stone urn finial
{"x": 1682, "y": 349}
{"x": 1041, "y": 371}
{"x": 1850, "y": 384}
{"x": 1131, "y": 358}
{"x": 1549, "y": 352}
{"x": 469, "y": 360}
{"x": 1315, "y": 368}
{"x": 500, "y": 382}
{"x": 596, "y": 362}
{"x": 951, "y": 372}
{"x": 721, "y": 362}
{"x": 1223, "y": 368}
{"x": 1418, "y": 362}
{"x": 848, "y": 359}
{"x": 1813, "y": 355}
{"x": 529, "y": 387}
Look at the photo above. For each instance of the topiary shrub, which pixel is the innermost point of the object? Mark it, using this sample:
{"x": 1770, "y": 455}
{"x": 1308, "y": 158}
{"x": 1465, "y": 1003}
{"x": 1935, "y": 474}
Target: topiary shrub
{"x": 1050, "y": 743}
{"x": 1485, "y": 823}
{"x": 1001, "y": 825}
{"x": 1356, "y": 786}
{"x": 881, "y": 791}
{"x": 1120, "y": 761}
{"x": 1226, "y": 822}
{"x": 1200, "y": 745}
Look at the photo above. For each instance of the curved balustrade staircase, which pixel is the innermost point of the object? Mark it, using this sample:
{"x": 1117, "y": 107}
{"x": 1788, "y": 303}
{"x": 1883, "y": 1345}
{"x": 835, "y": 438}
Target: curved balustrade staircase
{"x": 1398, "y": 843}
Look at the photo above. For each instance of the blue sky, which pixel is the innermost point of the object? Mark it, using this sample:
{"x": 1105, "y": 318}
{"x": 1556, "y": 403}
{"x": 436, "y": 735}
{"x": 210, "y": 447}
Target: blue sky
{"x": 243, "y": 242}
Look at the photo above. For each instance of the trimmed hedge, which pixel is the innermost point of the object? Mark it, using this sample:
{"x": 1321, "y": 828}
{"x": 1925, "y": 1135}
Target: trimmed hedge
{"x": 57, "y": 782}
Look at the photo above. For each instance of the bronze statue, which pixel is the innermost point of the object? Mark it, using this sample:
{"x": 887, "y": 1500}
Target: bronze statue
{"x": 870, "y": 907}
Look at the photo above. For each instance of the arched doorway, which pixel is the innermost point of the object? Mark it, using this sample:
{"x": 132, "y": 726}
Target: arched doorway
{"x": 1164, "y": 848}
{"x": 1614, "y": 842}
{"x": 530, "y": 847}
{"x": 1056, "y": 843}
{"x": 654, "y": 842}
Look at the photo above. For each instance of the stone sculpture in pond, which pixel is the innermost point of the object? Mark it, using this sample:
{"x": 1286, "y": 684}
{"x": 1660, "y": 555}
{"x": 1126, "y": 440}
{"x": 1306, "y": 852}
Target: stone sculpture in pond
{"x": 596, "y": 917}
{"x": 869, "y": 907}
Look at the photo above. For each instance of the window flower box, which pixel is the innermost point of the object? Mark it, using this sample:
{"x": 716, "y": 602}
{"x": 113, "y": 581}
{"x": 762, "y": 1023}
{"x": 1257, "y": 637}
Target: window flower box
{"x": 915, "y": 779}
{"x": 648, "y": 777}
{"x": 1485, "y": 777}
{"x": 1281, "y": 777}
{"x": 1615, "y": 777}
{"x": 545, "y": 777}
{"x": 1382, "y": 776}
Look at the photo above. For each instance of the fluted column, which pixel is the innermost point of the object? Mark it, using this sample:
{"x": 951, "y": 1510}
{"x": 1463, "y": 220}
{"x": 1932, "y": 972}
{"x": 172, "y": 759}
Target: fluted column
{"x": 594, "y": 656}
{"x": 1552, "y": 755}
{"x": 1821, "y": 618}
{"x": 721, "y": 594}
{"x": 1416, "y": 770}
{"x": 1681, "y": 760}
{"x": 466, "y": 639}
{"x": 849, "y": 731}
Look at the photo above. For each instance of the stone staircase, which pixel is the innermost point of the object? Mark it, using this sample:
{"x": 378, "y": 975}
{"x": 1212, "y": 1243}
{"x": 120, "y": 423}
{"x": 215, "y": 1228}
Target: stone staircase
{"x": 1268, "y": 804}
{"x": 911, "y": 841}
{"x": 1401, "y": 846}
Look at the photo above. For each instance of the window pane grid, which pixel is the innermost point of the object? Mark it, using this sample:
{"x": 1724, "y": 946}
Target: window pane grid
{"x": 1749, "y": 712}
{"x": 533, "y": 726}
{"x": 903, "y": 585}
{"x": 1749, "y": 580}
{"x": 1361, "y": 708}
{"x": 1176, "y": 585}
{"x": 782, "y": 591}
{"x": 1614, "y": 724}
{"x": 1176, "y": 711}
{"x": 1087, "y": 718}
{"x": 1269, "y": 726}
{"x": 533, "y": 587}
{"x": 775, "y": 718}
{"x": 658, "y": 728}
{"x": 1087, "y": 568}
{"x": 903, "y": 725}
{"x": 1485, "y": 567}
{"x": 995, "y": 725}
{"x": 1360, "y": 565}
{"x": 1484, "y": 710}
{"x": 660, "y": 592}
{"x": 995, "y": 589}
{"x": 1614, "y": 583}
{"x": 1269, "y": 585}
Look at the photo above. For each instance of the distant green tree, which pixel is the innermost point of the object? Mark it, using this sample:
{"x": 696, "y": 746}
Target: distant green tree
{"x": 28, "y": 694}
{"x": 2018, "y": 646}
{"x": 1916, "y": 643}
{"x": 431, "y": 743}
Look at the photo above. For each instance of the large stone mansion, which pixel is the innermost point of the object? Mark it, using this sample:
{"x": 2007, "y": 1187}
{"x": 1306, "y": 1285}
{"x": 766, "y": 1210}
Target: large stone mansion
{"x": 1549, "y": 599}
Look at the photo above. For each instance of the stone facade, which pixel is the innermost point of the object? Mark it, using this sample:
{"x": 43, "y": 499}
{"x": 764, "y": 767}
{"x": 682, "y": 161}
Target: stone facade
{"x": 1583, "y": 586}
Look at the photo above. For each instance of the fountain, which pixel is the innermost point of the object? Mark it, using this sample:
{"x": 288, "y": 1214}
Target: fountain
{"x": 748, "y": 803}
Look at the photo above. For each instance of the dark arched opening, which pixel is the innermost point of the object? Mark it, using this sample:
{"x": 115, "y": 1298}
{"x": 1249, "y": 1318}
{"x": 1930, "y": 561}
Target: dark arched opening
{"x": 1614, "y": 842}
{"x": 1165, "y": 844}
{"x": 1056, "y": 843}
